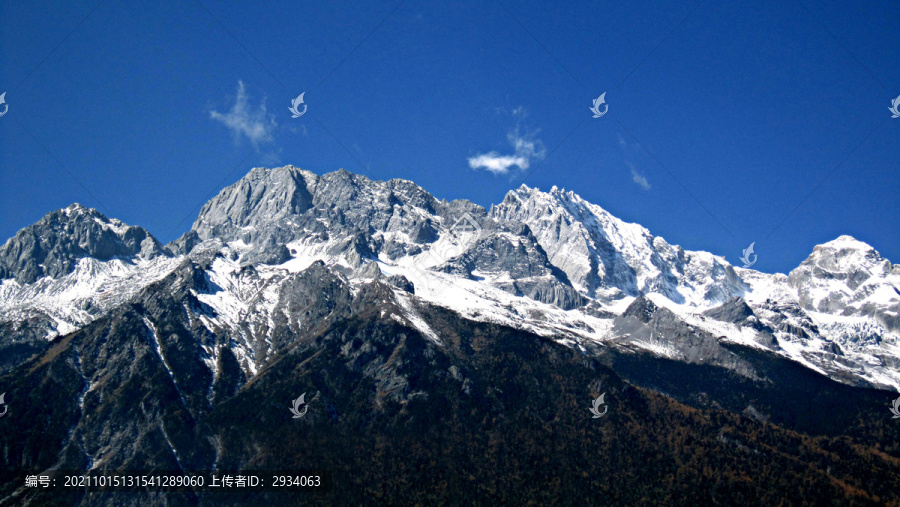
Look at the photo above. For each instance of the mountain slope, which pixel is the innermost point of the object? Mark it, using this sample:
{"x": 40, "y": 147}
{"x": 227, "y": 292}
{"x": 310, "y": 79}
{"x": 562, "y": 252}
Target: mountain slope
{"x": 391, "y": 411}
{"x": 67, "y": 269}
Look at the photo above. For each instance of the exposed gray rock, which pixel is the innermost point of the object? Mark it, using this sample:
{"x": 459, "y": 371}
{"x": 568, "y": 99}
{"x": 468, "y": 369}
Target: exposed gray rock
{"x": 184, "y": 244}
{"x": 510, "y": 250}
{"x": 277, "y": 206}
{"x": 52, "y": 246}
{"x": 643, "y": 323}
{"x": 641, "y": 309}
{"x": 269, "y": 253}
{"x": 258, "y": 200}
{"x": 735, "y": 311}
{"x": 400, "y": 282}
{"x": 369, "y": 270}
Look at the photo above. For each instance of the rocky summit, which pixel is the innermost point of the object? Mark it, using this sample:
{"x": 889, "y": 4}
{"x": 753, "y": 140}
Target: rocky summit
{"x": 445, "y": 353}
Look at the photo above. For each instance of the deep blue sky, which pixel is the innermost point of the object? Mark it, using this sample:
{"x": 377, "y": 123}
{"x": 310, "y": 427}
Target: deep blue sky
{"x": 747, "y": 106}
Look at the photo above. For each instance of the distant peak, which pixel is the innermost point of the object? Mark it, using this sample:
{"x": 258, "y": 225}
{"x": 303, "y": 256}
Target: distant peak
{"x": 75, "y": 207}
{"x": 54, "y": 245}
{"x": 842, "y": 253}
{"x": 555, "y": 197}
{"x": 562, "y": 192}
{"x": 345, "y": 175}
{"x": 263, "y": 171}
{"x": 846, "y": 242}
{"x": 77, "y": 211}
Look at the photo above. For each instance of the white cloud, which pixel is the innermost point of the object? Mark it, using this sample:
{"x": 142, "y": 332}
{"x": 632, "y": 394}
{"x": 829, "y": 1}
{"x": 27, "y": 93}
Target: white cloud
{"x": 496, "y": 163}
{"x": 243, "y": 120}
{"x": 637, "y": 177}
{"x": 627, "y": 153}
{"x": 526, "y": 149}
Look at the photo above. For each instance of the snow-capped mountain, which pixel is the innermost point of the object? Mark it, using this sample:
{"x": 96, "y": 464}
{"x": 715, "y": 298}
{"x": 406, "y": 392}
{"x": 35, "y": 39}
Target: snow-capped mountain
{"x": 429, "y": 335}
{"x": 849, "y": 278}
{"x": 545, "y": 262}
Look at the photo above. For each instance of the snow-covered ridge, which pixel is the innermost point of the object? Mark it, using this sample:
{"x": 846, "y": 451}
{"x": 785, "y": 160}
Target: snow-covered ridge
{"x": 546, "y": 262}
{"x": 599, "y": 252}
{"x": 77, "y": 299}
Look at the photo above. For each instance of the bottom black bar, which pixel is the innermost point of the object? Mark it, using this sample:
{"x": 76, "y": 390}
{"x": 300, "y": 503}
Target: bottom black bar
{"x": 203, "y": 481}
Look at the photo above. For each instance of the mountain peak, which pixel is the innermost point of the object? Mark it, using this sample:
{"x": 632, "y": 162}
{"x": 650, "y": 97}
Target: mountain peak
{"x": 846, "y": 242}
{"x": 259, "y": 198}
{"x": 562, "y": 193}
{"x": 75, "y": 207}
{"x": 849, "y": 277}
{"x": 53, "y": 245}
{"x": 76, "y": 212}
{"x": 845, "y": 253}
{"x": 558, "y": 250}
{"x": 602, "y": 254}
{"x": 269, "y": 208}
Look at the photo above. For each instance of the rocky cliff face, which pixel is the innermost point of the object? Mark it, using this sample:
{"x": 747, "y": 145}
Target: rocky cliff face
{"x": 53, "y": 246}
{"x": 590, "y": 252}
{"x": 272, "y": 207}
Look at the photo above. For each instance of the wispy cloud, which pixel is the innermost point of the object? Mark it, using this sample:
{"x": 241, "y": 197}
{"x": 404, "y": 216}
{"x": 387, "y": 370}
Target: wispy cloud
{"x": 636, "y": 175}
{"x": 300, "y": 129}
{"x": 246, "y": 121}
{"x": 519, "y": 113}
{"x": 525, "y": 150}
